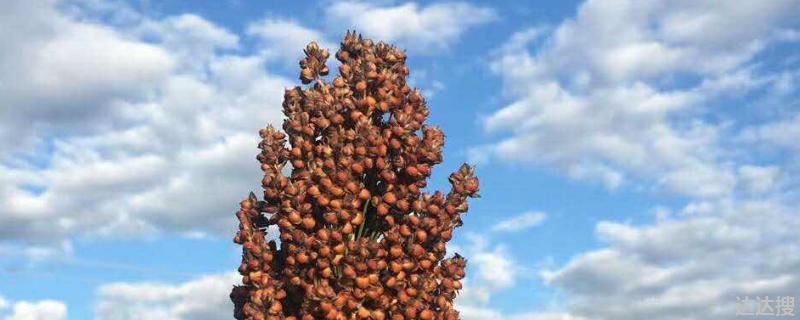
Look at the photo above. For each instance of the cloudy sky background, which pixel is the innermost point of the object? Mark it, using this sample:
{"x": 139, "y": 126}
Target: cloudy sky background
{"x": 639, "y": 159}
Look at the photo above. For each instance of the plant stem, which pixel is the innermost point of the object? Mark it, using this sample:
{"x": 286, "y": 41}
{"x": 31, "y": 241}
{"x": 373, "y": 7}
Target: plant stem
{"x": 364, "y": 222}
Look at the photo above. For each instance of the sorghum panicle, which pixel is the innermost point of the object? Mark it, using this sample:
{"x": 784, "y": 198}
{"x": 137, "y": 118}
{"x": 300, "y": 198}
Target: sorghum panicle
{"x": 359, "y": 238}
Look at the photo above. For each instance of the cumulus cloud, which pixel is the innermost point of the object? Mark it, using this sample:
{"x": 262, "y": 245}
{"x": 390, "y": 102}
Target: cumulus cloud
{"x": 692, "y": 267}
{"x": 759, "y": 179}
{"x": 426, "y": 28}
{"x": 473, "y": 313}
{"x": 37, "y": 310}
{"x": 608, "y": 95}
{"x": 63, "y": 76}
{"x": 128, "y": 130}
{"x": 520, "y": 222}
{"x": 189, "y": 38}
{"x": 197, "y": 299}
{"x": 776, "y": 135}
{"x": 627, "y": 92}
{"x": 285, "y": 39}
{"x": 491, "y": 269}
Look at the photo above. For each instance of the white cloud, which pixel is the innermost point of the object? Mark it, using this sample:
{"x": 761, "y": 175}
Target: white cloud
{"x": 758, "y": 179}
{"x": 61, "y": 75}
{"x": 38, "y": 310}
{"x": 545, "y": 316}
{"x": 128, "y": 130}
{"x": 690, "y": 268}
{"x": 192, "y": 30}
{"x": 187, "y": 37}
{"x": 520, "y": 222}
{"x": 286, "y": 39}
{"x": 468, "y": 312}
{"x": 604, "y": 95}
{"x": 46, "y": 250}
{"x": 775, "y": 135}
{"x": 198, "y": 299}
{"x": 626, "y": 92}
{"x": 490, "y": 270}
{"x": 476, "y": 313}
{"x": 420, "y": 28}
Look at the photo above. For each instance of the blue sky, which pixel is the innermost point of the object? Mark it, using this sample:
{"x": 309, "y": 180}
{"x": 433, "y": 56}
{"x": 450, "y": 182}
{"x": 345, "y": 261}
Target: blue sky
{"x": 638, "y": 159}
